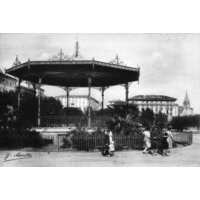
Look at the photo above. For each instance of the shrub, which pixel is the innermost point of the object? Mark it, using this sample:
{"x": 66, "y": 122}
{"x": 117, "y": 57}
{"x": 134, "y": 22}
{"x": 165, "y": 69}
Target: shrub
{"x": 183, "y": 122}
{"x": 27, "y": 115}
{"x": 21, "y": 138}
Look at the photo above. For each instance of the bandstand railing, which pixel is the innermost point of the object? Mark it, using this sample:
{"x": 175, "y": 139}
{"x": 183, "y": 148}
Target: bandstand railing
{"x": 79, "y": 121}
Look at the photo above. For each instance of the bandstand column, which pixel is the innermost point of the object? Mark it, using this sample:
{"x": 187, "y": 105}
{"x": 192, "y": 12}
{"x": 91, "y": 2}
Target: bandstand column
{"x": 89, "y": 101}
{"x": 34, "y": 98}
{"x": 102, "y": 95}
{"x": 126, "y": 93}
{"x": 34, "y": 89}
{"x": 67, "y": 92}
{"x": 19, "y": 95}
{"x": 39, "y": 101}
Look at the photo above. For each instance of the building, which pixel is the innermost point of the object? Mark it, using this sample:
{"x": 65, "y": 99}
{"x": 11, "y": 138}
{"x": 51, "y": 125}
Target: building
{"x": 7, "y": 82}
{"x": 79, "y": 101}
{"x": 157, "y": 103}
{"x": 185, "y": 109}
{"x": 10, "y": 83}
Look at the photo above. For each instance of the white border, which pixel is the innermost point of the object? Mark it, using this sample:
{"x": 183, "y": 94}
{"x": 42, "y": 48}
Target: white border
{"x": 90, "y": 16}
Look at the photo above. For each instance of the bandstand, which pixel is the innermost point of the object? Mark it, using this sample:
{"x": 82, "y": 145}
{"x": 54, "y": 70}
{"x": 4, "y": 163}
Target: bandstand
{"x": 71, "y": 72}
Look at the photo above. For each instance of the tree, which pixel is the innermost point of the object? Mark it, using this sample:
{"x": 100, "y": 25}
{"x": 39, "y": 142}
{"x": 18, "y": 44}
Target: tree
{"x": 183, "y": 122}
{"x": 27, "y": 115}
{"x": 161, "y": 120}
{"x": 147, "y": 118}
{"x": 50, "y": 106}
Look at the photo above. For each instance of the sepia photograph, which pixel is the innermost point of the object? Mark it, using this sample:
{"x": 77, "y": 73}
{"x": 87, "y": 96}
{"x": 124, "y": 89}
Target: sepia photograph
{"x": 99, "y": 100}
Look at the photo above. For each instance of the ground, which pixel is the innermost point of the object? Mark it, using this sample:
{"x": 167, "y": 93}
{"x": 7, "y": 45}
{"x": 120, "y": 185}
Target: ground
{"x": 181, "y": 156}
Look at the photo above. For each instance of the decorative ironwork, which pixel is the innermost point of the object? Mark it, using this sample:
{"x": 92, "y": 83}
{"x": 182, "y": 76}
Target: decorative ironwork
{"x": 117, "y": 60}
{"x": 59, "y": 57}
{"x": 77, "y": 55}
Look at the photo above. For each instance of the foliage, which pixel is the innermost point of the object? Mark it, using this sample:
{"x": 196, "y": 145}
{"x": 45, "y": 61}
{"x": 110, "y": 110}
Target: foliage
{"x": 147, "y": 118}
{"x": 20, "y": 139}
{"x": 125, "y": 119}
{"x": 73, "y": 111}
{"x": 129, "y": 122}
{"x": 160, "y": 120}
{"x": 50, "y": 106}
{"x": 27, "y": 114}
{"x": 184, "y": 122}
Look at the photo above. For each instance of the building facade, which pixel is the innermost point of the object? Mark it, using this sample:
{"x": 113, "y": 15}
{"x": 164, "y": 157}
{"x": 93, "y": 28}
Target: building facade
{"x": 10, "y": 83}
{"x": 79, "y": 101}
{"x": 7, "y": 82}
{"x": 157, "y": 103}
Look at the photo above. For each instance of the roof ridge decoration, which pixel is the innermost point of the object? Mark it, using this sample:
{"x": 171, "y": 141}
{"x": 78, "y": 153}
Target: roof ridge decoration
{"x": 117, "y": 60}
{"x": 60, "y": 56}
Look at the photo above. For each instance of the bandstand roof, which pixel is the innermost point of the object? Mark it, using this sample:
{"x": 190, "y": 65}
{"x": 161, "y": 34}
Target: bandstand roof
{"x": 74, "y": 73}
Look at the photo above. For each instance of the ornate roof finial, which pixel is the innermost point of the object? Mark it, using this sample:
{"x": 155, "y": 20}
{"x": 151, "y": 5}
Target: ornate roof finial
{"x": 76, "y": 49}
{"x": 60, "y": 56}
{"x": 117, "y": 60}
{"x": 17, "y": 62}
{"x": 77, "y": 55}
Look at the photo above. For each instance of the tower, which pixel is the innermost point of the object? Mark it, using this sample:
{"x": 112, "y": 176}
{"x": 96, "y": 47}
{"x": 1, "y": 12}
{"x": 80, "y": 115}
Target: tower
{"x": 186, "y": 102}
{"x": 186, "y": 108}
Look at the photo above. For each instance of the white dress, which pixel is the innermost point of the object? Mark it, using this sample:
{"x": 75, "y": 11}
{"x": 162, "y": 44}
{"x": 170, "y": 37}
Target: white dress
{"x": 111, "y": 142}
{"x": 147, "y": 140}
{"x": 170, "y": 139}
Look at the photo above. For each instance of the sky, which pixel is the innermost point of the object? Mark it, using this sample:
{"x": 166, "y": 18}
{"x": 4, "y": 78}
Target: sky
{"x": 169, "y": 63}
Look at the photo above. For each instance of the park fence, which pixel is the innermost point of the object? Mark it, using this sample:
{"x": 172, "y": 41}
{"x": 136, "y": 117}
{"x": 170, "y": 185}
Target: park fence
{"x": 92, "y": 142}
{"x": 184, "y": 138}
{"x": 135, "y": 141}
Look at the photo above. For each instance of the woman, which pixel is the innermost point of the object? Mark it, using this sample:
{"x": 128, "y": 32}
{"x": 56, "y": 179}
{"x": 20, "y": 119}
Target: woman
{"x": 111, "y": 144}
{"x": 165, "y": 145}
{"x": 169, "y": 139}
{"x": 105, "y": 150}
{"x": 147, "y": 140}
{"x": 109, "y": 148}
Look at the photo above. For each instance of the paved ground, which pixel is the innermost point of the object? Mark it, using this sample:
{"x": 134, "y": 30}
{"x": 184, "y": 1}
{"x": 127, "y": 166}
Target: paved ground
{"x": 182, "y": 156}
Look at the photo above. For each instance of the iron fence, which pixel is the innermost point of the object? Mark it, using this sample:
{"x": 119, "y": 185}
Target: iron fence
{"x": 135, "y": 141}
{"x": 185, "y": 138}
{"x": 92, "y": 142}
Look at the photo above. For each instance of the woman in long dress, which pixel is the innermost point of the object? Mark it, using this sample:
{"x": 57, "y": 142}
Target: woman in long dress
{"x": 169, "y": 139}
{"x": 147, "y": 140}
{"x": 111, "y": 144}
{"x": 109, "y": 147}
